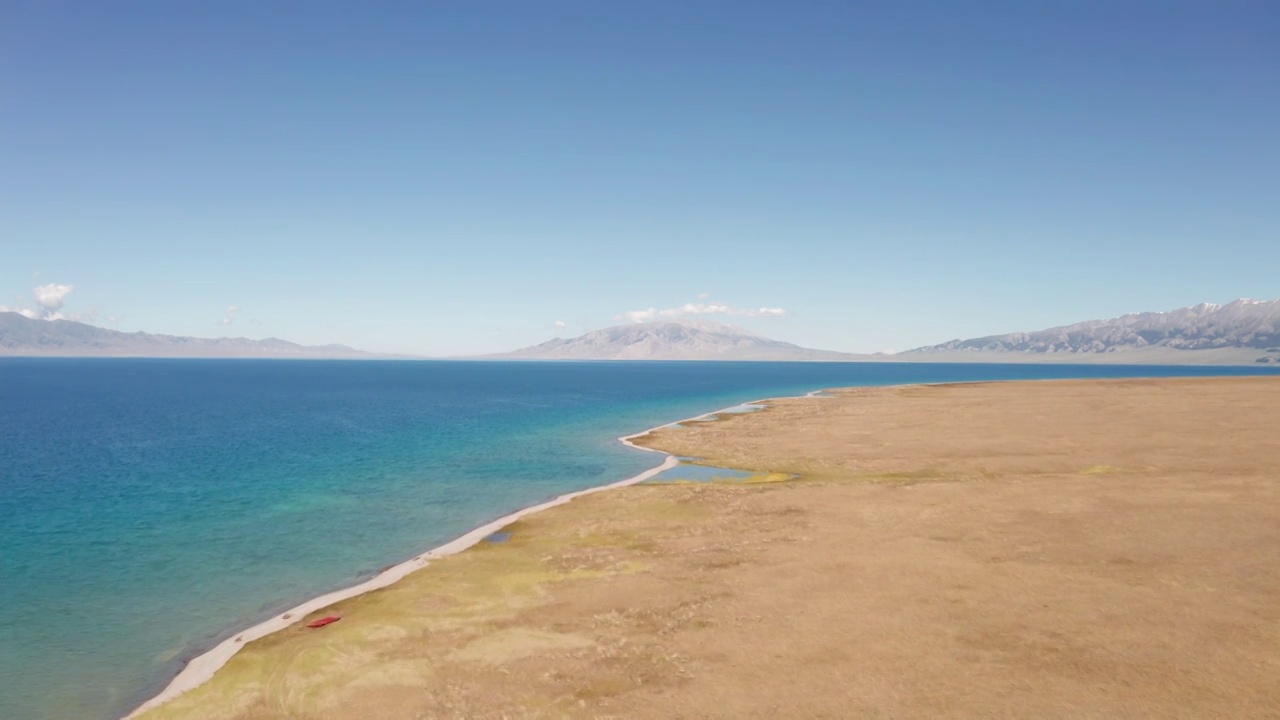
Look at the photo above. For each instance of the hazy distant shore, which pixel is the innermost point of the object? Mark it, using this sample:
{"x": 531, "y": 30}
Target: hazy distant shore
{"x": 1239, "y": 333}
{"x": 996, "y": 520}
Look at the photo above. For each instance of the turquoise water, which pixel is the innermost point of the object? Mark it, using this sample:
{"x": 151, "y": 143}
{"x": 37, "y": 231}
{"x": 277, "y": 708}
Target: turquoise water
{"x": 149, "y": 508}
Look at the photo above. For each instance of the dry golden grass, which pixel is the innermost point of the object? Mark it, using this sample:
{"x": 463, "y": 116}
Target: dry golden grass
{"x": 1098, "y": 549}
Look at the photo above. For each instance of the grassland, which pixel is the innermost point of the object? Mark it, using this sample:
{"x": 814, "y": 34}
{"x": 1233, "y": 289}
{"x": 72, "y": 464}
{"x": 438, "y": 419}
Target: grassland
{"x": 1065, "y": 549}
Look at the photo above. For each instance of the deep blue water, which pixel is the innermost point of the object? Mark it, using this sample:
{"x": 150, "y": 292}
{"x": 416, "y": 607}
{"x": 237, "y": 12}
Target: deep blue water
{"x": 148, "y": 508}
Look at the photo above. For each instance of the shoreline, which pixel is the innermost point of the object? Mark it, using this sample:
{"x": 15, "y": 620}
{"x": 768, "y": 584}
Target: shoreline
{"x": 1001, "y": 560}
{"x": 202, "y": 667}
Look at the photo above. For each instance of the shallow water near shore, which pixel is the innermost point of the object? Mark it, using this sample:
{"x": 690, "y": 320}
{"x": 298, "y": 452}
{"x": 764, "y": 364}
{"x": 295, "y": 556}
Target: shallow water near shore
{"x": 149, "y": 508}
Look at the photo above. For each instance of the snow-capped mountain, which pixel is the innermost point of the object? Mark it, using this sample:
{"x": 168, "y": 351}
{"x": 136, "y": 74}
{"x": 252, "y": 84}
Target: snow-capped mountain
{"x": 1249, "y": 326}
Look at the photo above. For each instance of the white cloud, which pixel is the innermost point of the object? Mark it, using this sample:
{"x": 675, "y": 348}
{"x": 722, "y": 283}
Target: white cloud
{"x": 638, "y": 315}
{"x": 24, "y": 312}
{"x": 561, "y": 324}
{"x": 700, "y": 309}
{"x": 49, "y": 301}
{"x": 52, "y": 296}
{"x": 231, "y": 314}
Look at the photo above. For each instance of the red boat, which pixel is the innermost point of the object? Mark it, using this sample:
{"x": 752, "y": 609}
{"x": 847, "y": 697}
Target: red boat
{"x": 324, "y": 621}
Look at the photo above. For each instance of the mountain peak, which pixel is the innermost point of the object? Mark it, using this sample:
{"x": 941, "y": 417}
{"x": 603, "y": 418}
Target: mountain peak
{"x": 682, "y": 339}
{"x": 1245, "y": 325}
{"x": 710, "y": 326}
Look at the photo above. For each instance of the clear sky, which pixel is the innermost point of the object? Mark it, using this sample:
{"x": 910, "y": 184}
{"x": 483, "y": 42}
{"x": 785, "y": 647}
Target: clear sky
{"x": 458, "y": 177}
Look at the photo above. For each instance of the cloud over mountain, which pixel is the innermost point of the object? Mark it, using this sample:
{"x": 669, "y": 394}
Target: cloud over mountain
{"x": 671, "y": 340}
{"x": 49, "y": 301}
{"x": 699, "y": 308}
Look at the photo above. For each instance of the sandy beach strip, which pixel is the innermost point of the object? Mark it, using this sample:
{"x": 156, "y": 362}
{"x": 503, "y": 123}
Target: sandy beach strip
{"x": 201, "y": 668}
{"x": 1037, "y": 549}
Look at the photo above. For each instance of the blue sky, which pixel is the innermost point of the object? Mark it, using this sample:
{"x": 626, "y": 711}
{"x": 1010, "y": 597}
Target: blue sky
{"x": 447, "y": 178}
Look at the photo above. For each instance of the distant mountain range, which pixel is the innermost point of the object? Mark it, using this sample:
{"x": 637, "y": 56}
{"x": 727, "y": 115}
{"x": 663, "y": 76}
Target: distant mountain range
{"x": 1238, "y": 332}
{"x": 1245, "y": 331}
{"x": 20, "y": 335}
{"x": 686, "y": 340}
